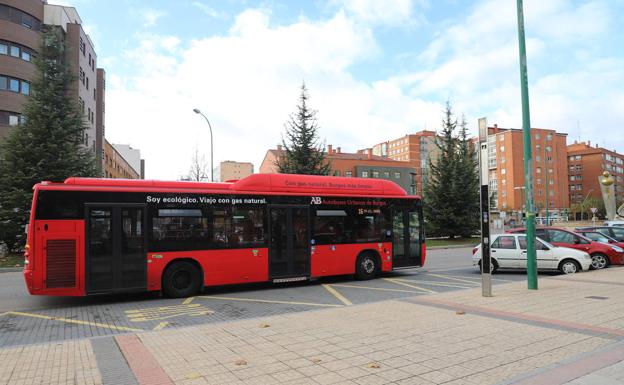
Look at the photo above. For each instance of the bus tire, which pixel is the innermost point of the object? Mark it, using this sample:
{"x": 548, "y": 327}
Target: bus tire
{"x": 181, "y": 279}
{"x": 367, "y": 266}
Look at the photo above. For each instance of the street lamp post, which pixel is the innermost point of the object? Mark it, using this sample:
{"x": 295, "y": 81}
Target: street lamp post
{"x": 528, "y": 157}
{"x": 197, "y": 111}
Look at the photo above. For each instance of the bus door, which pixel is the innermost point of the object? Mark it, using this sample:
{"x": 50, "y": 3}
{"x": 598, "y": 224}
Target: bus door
{"x": 289, "y": 248}
{"x": 116, "y": 258}
{"x": 406, "y": 233}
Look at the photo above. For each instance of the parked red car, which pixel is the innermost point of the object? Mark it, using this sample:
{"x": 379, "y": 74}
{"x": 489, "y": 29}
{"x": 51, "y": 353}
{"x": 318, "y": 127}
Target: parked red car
{"x": 603, "y": 254}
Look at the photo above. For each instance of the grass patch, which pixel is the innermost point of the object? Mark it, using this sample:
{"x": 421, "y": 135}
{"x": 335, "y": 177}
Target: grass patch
{"x": 452, "y": 242}
{"x": 12, "y": 260}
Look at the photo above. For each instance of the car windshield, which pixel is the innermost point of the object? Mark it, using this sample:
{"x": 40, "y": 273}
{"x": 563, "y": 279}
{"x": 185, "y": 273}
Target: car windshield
{"x": 540, "y": 244}
{"x": 598, "y": 237}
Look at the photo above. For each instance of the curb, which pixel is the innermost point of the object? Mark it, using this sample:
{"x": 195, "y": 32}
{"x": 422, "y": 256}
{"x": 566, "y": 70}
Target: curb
{"x": 10, "y": 269}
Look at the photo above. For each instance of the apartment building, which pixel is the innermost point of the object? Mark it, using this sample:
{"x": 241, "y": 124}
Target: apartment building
{"x": 21, "y": 22}
{"x": 363, "y": 164}
{"x": 117, "y": 166}
{"x": 416, "y": 149}
{"x": 231, "y": 170}
{"x": 586, "y": 164}
{"x": 506, "y": 167}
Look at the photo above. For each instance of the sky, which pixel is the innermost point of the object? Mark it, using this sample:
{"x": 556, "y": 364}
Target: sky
{"x": 375, "y": 70}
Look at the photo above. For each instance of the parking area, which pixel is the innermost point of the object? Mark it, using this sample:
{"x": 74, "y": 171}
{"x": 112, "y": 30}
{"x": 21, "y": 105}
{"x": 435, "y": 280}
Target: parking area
{"x": 26, "y": 319}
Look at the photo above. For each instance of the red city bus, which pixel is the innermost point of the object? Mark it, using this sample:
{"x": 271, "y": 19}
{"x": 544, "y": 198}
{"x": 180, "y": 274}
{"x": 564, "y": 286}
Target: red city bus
{"x": 94, "y": 236}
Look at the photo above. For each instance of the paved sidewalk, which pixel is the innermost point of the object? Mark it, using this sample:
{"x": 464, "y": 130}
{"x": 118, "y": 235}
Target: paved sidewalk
{"x": 571, "y": 331}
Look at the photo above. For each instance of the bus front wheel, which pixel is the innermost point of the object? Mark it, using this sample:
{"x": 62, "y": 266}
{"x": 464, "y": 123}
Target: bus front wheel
{"x": 366, "y": 266}
{"x": 181, "y": 279}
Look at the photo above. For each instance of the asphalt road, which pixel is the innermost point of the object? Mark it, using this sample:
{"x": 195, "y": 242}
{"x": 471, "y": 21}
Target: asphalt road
{"x": 28, "y": 319}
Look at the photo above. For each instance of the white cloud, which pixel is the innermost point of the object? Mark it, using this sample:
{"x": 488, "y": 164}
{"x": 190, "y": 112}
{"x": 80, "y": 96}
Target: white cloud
{"x": 151, "y": 17}
{"x": 387, "y": 12}
{"x": 247, "y": 84}
{"x": 209, "y": 11}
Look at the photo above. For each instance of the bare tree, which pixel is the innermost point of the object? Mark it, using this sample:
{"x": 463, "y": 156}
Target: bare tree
{"x": 198, "y": 171}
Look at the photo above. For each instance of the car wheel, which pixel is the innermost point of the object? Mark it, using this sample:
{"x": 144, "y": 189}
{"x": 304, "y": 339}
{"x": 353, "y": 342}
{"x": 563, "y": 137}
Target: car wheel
{"x": 493, "y": 266}
{"x": 366, "y": 266}
{"x": 569, "y": 266}
{"x": 599, "y": 261}
{"x": 181, "y": 279}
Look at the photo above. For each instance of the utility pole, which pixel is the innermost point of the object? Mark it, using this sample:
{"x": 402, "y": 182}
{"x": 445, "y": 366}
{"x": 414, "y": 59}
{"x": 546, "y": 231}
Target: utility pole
{"x": 528, "y": 157}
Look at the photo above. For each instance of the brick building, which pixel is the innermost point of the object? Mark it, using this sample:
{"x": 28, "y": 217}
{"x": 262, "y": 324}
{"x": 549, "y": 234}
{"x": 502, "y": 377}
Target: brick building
{"x": 362, "y": 164}
{"x": 231, "y": 170}
{"x": 115, "y": 164}
{"x": 416, "y": 149}
{"x": 586, "y": 164}
{"x": 506, "y": 165}
{"x": 20, "y": 26}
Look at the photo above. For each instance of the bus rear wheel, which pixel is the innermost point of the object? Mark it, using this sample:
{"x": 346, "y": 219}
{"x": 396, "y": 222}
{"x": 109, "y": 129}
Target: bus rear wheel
{"x": 366, "y": 266}
{"x": 181, "y": 279}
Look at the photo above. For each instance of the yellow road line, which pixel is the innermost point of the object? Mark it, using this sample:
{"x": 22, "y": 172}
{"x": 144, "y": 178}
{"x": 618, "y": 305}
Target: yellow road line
{"x": 374, "y": 288}
{"x": 73, "y": 321}
{"x": 423, "y": 289}
{"x": 188, "y": 301}
{"x": 164, "y": 309}
{"x": 5, "y": 313}
{"x": 269, "y": 301}
{"x": 435, "y": 283}
{"x": 161, "y": 325}
{"x": 154, "y": 318}
{"x": 336, "y": 294}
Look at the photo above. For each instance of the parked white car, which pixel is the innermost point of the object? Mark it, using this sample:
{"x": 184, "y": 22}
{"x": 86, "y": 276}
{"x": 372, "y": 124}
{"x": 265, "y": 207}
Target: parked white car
{"x": 508, "y": 251}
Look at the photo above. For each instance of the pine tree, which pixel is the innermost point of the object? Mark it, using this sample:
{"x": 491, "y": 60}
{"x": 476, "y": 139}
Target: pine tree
{"x": 452, "y": 193}
{"x": 302, "y": 152}
{"x": 48, "y": 143}
{"x": 467, "y": 184}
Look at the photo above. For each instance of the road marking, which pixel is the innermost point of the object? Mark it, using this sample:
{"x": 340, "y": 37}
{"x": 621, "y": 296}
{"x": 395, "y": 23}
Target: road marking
{"x": 453, "y": 278}
{"x": 188, "y": 301}
{"x": 269, "y": 301}
{"x": 374, "y": 288}
{"x": 73, "y": 321}
{"x": 166, "y": 312}
{"x": 435, "y": 283}
{"x": 161, "y": 325}
{"x": 466, "y": 279}
{"x": 423, "y": 289}
{"x": 336, "y": 294}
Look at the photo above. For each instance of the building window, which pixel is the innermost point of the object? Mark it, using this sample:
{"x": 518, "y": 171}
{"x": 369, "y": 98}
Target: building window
{"x": 539, "y": 180}
{"x": 550, "y": 170}
{"x": 375, "y": 174}
{"x": 579, "y": 177}
{"x": 15, "y": 51}
{"x": 4, "y": 49}
{"x": 25, "y": 55}
{"x": 579, "y": 168}
{"x": 548, "y": 148}
{"x": 14, "y": 85}
{"x": 539, "y": 170}
{"x": 82, "y": 46}
{"x": 502, "y": 148}
{"x": 503, "y": 171}
{"x": 397, "y": 175}
{"x": 538, "y": 158}
{"x": 549, "y": 137}
{"x": 571, "y": 177}
{"x": 25, "y": 88}
{"x": 82, "y": 75}
{"x": 577, "y": 157}
{"x": 364, "y": 174}
{"x": 87, "y": 82}
{"x": 386, "y": 175}
{"x": 537, "y": 135}
{"x": 537, "y": 147}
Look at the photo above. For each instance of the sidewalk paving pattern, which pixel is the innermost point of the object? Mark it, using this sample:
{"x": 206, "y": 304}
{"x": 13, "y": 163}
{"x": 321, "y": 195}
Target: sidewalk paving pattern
{"x": 571, "y": 331}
